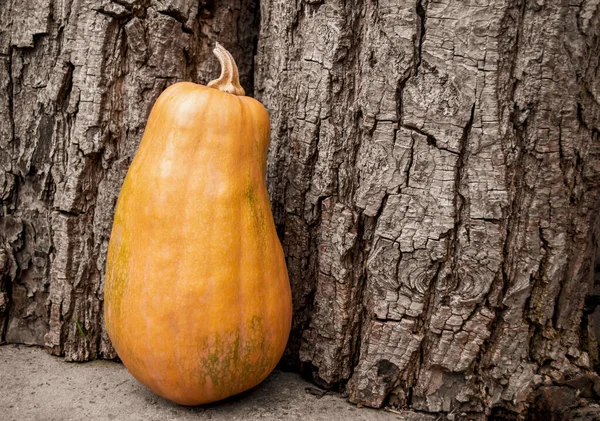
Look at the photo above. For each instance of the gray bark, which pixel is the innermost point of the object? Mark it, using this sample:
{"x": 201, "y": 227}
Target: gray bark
{"x": 79, "y": 78}
{"x": 435, "y": 174}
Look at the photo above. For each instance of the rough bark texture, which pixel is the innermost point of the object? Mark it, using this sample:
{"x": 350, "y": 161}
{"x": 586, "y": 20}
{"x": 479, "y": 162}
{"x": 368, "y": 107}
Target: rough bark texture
{"x": 435, "y": 174}
{"x": 78, "y": 80}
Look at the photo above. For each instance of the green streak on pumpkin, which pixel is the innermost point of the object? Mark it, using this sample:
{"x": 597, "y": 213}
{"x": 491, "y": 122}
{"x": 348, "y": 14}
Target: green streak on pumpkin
{"x": 118, "y": 279}
{"x": 228, "y": 365}
{"x": 250, "y": 196}
{"x": 257, "y": 211}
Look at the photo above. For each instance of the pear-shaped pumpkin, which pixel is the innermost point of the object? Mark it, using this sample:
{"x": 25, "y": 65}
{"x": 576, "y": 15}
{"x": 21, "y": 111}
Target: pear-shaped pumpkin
{"x": 197, "y": 298}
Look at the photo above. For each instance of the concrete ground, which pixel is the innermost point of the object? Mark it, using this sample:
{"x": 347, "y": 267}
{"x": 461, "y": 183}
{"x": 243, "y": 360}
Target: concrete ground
{"x": 36, "y": 386}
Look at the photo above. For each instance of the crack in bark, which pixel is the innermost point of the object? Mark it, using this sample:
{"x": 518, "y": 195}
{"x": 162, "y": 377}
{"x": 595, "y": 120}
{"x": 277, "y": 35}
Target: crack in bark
{"x": 420, "y": 10}
{"x": 64, "y": 93}
{"x": 459, "y": 199}
{"x": 421, "y": 327}
{"x": 410, "y": 160}
{"x": 362, "y": 246}
{"x": 5, "y": 281}
{"x": 114, "y": 15}
{"x": 11, "y": 105}
{"x": 179, "y": 17}
{"x": 431, "y": 140}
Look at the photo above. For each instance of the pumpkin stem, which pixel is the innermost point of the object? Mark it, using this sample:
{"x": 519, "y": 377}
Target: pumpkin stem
{"x": 229, "y": 81}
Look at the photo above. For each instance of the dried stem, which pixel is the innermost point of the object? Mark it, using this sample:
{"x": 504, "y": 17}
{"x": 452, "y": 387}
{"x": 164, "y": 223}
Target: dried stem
{"x": 229, "y": 80}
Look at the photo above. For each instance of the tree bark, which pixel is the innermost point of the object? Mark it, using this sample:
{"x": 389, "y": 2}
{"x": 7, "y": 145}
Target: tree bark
{"x": 435, "y": 173}
{"x": 80, "y": 77}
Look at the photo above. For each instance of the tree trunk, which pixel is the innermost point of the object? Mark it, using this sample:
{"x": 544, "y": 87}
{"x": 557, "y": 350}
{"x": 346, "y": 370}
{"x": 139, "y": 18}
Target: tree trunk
{"x": 435, "y": 174}
{"x": 81, "y": 77}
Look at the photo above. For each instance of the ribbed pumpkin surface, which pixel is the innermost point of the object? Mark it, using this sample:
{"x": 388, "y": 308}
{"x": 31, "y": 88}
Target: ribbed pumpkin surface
{"x": 197, "y": 298}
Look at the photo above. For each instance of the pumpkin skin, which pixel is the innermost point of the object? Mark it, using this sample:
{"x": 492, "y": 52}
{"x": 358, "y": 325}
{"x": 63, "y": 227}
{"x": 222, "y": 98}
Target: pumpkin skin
{"x": 197, "y": 296}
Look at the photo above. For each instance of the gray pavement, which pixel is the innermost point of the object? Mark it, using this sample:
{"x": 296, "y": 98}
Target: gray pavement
{"x": 37, "y": 386}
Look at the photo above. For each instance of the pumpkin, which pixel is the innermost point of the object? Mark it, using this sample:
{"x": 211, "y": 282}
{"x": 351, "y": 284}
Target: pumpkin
{"x": 197, "y": 297}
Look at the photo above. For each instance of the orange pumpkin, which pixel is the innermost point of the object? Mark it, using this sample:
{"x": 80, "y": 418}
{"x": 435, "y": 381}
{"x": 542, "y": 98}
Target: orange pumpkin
{"x": 197, "y": 298}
